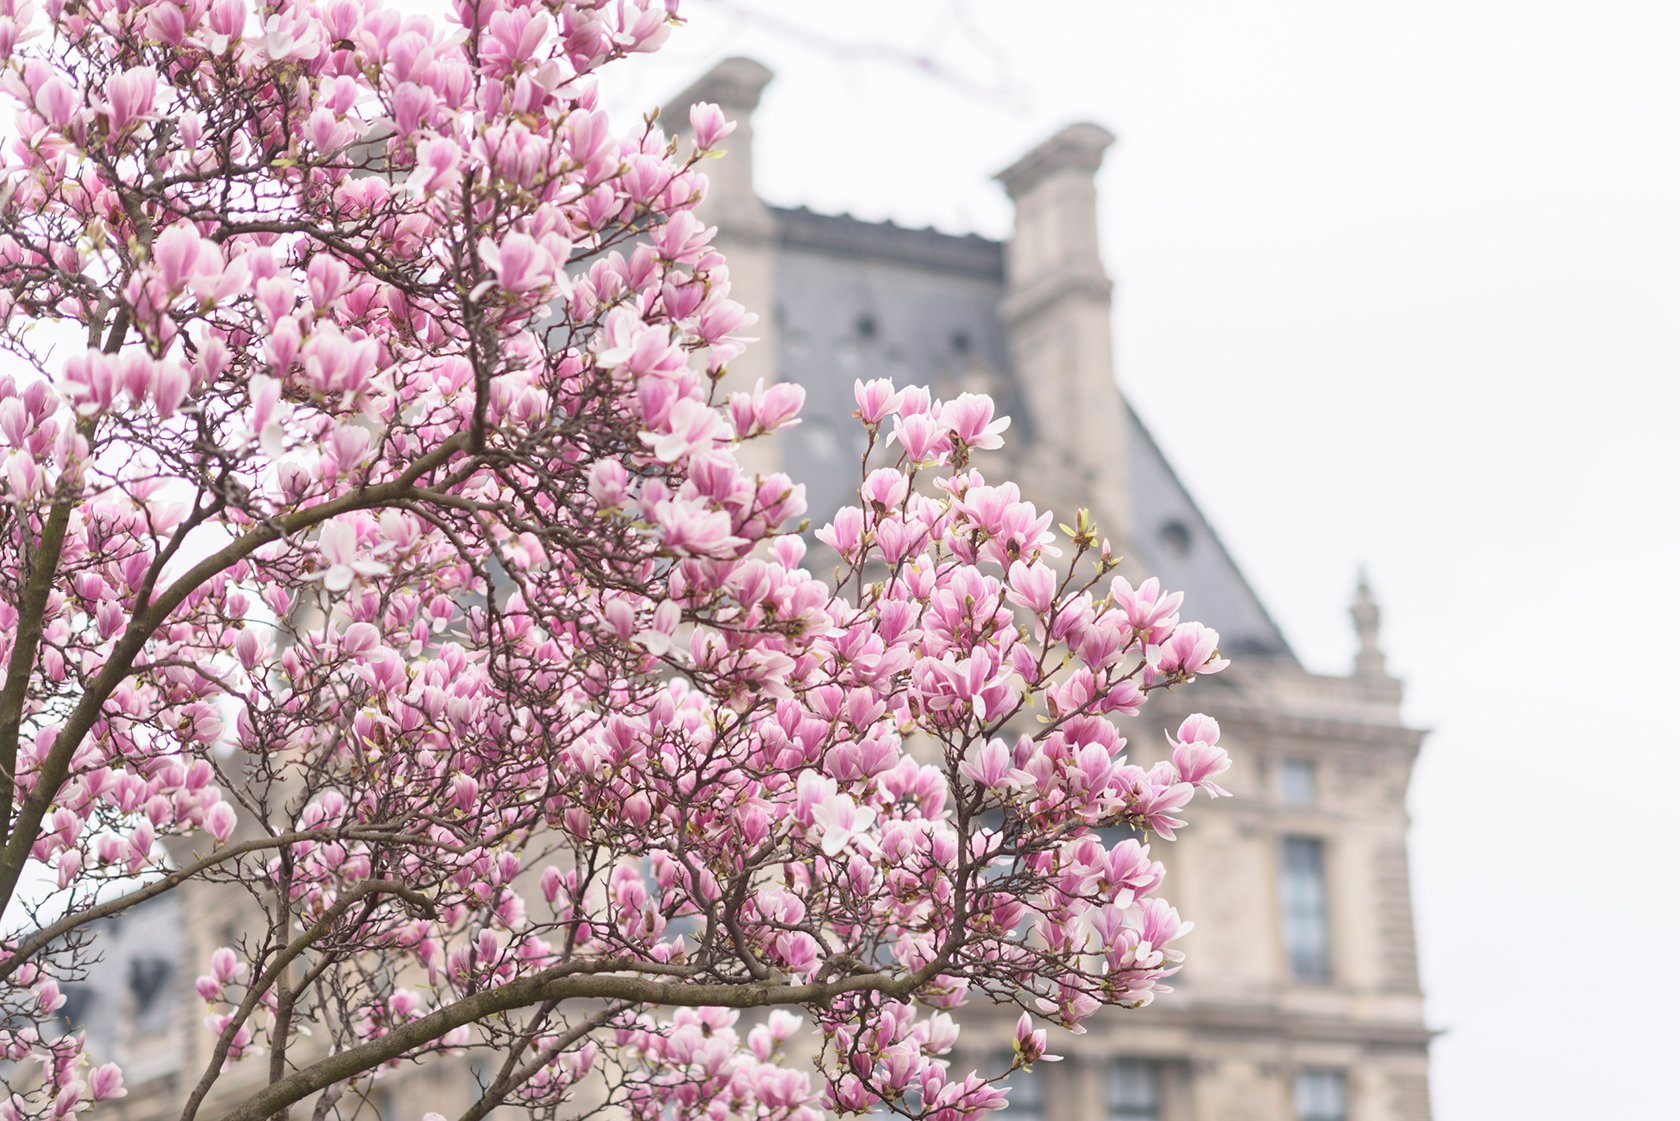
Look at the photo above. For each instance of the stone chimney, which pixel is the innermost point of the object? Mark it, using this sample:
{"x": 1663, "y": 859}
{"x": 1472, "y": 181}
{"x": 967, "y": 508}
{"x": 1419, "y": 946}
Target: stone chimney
{"x": 1056, "y": 309}
{"x": 746, "y": 229}
{"x": 734, "y": 85}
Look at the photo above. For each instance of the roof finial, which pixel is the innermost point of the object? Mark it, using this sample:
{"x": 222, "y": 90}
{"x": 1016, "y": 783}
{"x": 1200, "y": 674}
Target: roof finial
{"x": 1369, "y": 662}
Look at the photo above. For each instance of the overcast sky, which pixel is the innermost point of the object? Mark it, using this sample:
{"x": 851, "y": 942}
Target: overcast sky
{"x": 1399, "y": 284}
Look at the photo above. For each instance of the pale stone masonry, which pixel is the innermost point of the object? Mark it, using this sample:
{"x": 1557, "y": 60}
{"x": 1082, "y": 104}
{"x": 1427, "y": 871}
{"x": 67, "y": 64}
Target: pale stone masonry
{"x": 1301, "y": 999}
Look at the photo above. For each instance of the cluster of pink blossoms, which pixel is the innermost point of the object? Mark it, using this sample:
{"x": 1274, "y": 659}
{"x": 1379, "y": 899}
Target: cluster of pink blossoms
{"x": 376, "y": 553}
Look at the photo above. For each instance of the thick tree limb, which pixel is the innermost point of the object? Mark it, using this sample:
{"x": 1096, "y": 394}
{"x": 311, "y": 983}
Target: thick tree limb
{"x": 561, "y": 986}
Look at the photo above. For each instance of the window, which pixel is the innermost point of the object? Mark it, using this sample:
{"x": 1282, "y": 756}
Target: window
{"x": 1298, "y": 782}
{"x": 1320, "y": 1095}
{"x": 1112, "y": 835}
{"x": 1306, "y": 910}
{"x": 1007, "y": 824}
{"x": 1134, "y": 1092}
{"x": 146, "y": 978}
{"x": 80, "y": 998}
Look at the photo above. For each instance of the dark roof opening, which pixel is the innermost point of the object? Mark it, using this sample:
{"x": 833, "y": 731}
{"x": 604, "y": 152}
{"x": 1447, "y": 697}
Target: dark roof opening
{"x": 1175, "y": 535}
{"x": 146, "y": 978}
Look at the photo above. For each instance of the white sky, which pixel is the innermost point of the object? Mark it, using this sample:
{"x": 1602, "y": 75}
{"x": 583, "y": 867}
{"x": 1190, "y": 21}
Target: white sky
{"x": 1398, "y": 284}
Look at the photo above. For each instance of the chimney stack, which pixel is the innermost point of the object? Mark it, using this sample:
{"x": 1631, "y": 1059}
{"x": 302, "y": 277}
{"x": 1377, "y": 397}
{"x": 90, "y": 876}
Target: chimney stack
{"x": 1056, "y": 308}
{"x": 735, "y": 86}
{"x": 746, "y": 228}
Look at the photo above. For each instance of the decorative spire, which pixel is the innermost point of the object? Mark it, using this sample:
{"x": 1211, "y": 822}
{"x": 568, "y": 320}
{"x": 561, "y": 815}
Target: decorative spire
{"x": 1369, "y": 662}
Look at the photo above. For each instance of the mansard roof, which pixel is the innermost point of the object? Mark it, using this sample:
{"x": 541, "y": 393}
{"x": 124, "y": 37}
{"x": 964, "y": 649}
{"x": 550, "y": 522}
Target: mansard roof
{"x": 857, "y": 299}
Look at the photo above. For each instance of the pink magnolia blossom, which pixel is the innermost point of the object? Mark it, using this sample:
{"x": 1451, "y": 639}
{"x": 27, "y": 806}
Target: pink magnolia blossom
{"x": 708, "y": 124}
{"x": 766, "y": 409}
{"x": 638, "y": 347}
{"x": 437, "y": 167}
{"x": 131, "y": 96}
{"x": 970, "y": 418}
{"x": 344, "y": 562}
{"x": 1030, "y": 1043}
{"x": 220, "y": 821}
{"x": 876, "y": 400}
{"x": 518, "y": 262}
{"x": 1191, "y": 649}
{"x": 1032, "y": 586}
{"x": 1197, "y": 755}
{"x": 835, "y": 818}
{"x": 1150, "y": 611}
{"x": 992, "y": 766}
{"x": 105, "y": 1082}
{"x": 57, "y": 102}
{"x": 845, "y": 533}
{"x": 1155, "y": 802}
{"x": 921, "y": 436}
{"x": 691, "y": 427}
{"x": 398, "y": 522}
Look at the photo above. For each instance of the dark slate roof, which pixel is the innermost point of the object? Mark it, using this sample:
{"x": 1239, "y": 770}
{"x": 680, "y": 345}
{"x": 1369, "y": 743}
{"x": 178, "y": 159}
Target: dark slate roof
{"x": 859, "y": 299}
{"x": 844, "y": 236}
{"x": 1176, "y": 542}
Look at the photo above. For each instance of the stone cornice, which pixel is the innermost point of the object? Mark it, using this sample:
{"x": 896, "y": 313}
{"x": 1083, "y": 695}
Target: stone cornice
{"x": 748, "y": 224}
{"x": 1058, "y": 287}
{"x": 841, "y": 235}
{"x": 734, "y": 85}
{"x": 1323, "y": 726}
{"x": 1248, "y": 1022}
{"x": 1078, "y": 147}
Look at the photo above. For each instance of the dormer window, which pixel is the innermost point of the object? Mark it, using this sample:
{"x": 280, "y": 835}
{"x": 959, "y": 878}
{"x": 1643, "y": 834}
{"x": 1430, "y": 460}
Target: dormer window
{"x": 1175, "y": 537}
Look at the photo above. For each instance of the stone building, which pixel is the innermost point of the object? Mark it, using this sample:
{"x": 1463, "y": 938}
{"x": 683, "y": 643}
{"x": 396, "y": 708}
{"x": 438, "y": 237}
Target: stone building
{"x": 1301, "y": 1000}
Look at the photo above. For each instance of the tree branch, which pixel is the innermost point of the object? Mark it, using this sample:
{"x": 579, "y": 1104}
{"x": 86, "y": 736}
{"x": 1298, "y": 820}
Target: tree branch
{"x": 260, "y": 985}
{"x": 513, "y": 1076}
{"x": 32, "y": 618}
{"x": 49, "y": 934}
{"x": 559, "y": 985}
{"x": 55, "y": 768}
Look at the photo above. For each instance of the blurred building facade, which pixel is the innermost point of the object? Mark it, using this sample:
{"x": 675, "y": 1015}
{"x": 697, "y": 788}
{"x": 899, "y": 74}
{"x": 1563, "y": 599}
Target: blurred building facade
{"x": 1301, "y": 1000}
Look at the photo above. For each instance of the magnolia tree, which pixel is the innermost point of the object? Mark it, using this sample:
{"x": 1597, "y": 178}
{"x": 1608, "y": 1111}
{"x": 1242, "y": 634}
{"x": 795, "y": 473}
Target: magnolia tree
{"x": 376, "y": 552}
